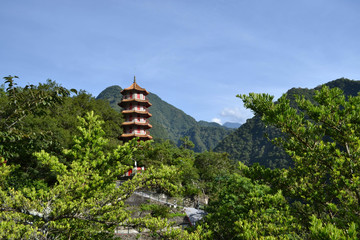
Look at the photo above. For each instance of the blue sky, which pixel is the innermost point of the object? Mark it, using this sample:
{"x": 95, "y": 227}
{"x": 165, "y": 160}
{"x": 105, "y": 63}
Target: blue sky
{"x": 194, "y": 54}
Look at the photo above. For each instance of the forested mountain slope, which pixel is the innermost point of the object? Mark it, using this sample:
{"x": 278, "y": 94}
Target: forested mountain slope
{"x": 248, "y": 143}
{"x": 172, "y": 123}
{"x": 232, "y": 125}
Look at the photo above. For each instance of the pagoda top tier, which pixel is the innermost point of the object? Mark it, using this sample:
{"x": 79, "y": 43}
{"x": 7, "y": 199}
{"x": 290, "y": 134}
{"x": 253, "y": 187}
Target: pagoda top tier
{"x": 135, "y": 87}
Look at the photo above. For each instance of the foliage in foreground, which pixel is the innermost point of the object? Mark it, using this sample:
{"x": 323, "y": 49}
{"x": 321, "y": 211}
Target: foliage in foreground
{"x": 84, "y": 202}
{"x": 319, "y": 198}
{"x": 324, "y": 142}
{"x": 197, "y": 171}
{"x": 44, "y": 117}
{"x": 243, "y": 209}
{"x": 248, "y": 145}
{"x": 81, "y": 200}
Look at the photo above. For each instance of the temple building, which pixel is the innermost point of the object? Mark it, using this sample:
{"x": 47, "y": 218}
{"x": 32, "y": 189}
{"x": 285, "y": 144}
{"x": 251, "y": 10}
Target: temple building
{"x": 135, "y": 111}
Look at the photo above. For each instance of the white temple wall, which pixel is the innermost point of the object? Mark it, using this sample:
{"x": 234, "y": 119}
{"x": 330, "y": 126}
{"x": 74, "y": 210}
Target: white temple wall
{"x": 135, "y": 96}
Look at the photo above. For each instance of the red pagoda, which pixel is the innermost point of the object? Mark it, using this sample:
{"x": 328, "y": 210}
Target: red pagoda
{"x": 135, "y": 111}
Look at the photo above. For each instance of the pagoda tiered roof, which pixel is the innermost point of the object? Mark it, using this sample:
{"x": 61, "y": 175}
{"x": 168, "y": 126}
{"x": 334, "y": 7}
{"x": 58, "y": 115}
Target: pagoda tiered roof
{"x": 136, "y": 87}
{"x": 128, "y": 100}
{"x": 132, "y": 135}
{"x": 135, "y": 126}
{"x": 148, "y": 125}
{"x": 138, "y": 112}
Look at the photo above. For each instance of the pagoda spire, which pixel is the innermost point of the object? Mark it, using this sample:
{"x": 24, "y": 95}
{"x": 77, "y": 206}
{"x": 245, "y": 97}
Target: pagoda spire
{"x": 134, "y": 79}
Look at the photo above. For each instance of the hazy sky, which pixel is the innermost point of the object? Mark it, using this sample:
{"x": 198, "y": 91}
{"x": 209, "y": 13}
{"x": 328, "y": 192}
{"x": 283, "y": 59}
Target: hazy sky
{"x": 194, "y": 54}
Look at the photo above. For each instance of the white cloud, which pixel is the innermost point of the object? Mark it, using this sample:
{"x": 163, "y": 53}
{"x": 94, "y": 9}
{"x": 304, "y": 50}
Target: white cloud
{"x": 236, "y": 114}
{"x": 217, "y": 120}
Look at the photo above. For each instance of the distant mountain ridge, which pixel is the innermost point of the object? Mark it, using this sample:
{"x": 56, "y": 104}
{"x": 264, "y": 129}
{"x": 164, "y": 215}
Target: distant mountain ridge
{"x": 232, "y": 125}
{"x": 248, "y": 143}
{"x": 172, "y": 123}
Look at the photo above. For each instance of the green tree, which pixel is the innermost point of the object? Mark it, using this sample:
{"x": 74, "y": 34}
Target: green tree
{"x": 323, "y": 139}
{"x": 330, "y": 231}
{"x": 213, "y": 167}
{"x": 17, "y": 140}
{"x": 158, "y": 153}
{"x": 167, "y": 153}
{"x": 84, "y": 203}
{"x": 186, "y": 143}
{"x": 243, "y": 209}
{"x": 16, "y": 105}
{"x": 44, "y": 117}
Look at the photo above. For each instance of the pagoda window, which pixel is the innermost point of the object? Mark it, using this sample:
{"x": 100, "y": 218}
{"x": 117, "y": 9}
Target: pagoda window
{"x": 138, "y": 96}
{"x": 138, "y": 106}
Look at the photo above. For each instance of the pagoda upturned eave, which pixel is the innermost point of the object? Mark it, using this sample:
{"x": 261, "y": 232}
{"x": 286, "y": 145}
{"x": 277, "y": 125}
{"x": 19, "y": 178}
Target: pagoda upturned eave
{"x": 125, "y": 102}
{"x": 135, "y": 87}
{"x": 134, "y": 104}
{"x": 137, "y": 111}
{"x": 145, "y": 124}
{"x": 129, "y": 135}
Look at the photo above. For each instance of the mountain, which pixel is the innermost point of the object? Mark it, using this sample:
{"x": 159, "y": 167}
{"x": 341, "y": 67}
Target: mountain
{"x": 232, "y": 125}
{"x": 172, "y": 123}
{"x": 113, "y": 95}
{"x": 248, "y": 143}
{"x": 206, "y": 137}
{"x": 208, "y": 124}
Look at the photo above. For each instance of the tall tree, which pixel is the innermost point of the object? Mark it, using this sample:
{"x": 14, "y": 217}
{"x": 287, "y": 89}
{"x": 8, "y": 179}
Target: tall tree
{"x": 19, "y": 103}
{"x": 324, "y": 142}
{"x": 84, "y": 202}
{"x": 44, "y": 116}
{"x": 243, "y": 209}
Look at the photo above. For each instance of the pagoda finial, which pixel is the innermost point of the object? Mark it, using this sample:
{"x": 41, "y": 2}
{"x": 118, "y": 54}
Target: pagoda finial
{"x": 134, "y": 79}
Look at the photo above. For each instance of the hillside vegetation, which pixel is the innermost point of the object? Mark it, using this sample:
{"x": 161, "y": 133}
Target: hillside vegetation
{"x": 172, "y": 123}
{"x": 59, "y": 166}
{"x": 60, "y": 159}
{"x": 250, "y": 143}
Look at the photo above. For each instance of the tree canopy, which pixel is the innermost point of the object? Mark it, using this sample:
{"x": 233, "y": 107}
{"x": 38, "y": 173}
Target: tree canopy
{"x": 60, "y": 161}
{"x": 61, "y": 182}
{"x": 248, "y": 144}
{"x": 323, "y": 139}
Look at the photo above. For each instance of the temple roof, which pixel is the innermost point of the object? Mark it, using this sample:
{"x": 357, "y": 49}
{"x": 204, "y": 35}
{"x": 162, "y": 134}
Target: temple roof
{"x": 145, "y": 124}
{"x": 123, "y": 101}
{"x": 132, "y": 135}
{"x": 136, "y": 87}
{"x": 137, "y": 111}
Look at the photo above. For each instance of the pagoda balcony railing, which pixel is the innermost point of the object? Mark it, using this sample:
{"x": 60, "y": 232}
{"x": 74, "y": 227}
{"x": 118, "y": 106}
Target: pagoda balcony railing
{"x": 141, "y": 110}
{"x": 142, "y": 132}
{"x": 136, "y": 109}
{"x": 137, "y": 121}
{"x": 132, "y": 97}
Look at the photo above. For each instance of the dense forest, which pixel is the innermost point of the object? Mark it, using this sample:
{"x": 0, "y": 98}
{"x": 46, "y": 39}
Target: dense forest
{"x": 60, "y": 159}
